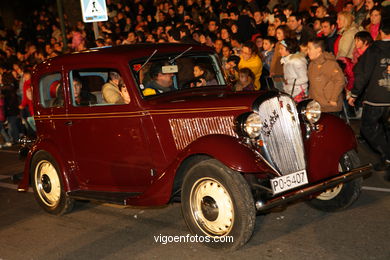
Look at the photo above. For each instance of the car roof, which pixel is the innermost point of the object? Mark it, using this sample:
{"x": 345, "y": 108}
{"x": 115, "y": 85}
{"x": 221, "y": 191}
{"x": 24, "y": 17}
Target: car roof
{"x": 120, "y": 53}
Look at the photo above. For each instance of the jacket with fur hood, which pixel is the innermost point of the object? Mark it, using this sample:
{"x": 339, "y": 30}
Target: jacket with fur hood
{"x": 326, "y": 82}
{"x": 346, "y": 42}
{"x": 295, "y": 69}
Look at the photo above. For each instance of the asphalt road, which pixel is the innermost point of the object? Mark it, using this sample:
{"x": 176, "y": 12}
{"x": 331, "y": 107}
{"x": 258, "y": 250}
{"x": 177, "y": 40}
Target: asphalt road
{"x": 103, "y": 231}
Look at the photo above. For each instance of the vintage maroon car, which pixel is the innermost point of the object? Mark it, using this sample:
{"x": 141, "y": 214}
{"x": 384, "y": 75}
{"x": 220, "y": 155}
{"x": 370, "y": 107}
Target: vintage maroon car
{"x": 178, "y": 135}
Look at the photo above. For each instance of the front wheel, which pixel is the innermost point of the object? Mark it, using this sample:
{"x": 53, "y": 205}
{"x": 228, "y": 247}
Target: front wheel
{"x": 47, "y": 184}
{"x": 217, "y": 205}
{"x": 343, "y": 195}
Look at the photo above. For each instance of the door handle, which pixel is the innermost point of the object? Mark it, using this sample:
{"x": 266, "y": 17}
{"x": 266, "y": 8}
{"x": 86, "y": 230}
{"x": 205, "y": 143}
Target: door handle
{"x": 69, "y": 123}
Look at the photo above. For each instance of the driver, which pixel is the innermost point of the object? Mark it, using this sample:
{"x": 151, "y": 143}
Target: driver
{"x": 161, "y": 82}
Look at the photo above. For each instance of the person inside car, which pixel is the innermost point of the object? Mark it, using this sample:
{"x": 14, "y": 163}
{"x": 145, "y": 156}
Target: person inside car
{"x": 124, "y": 93}
{"x": 203, "y": 77}
{"x": 110, "y": 91}
{"x": 161, "y": 82}
{"x": 81, "y": 96}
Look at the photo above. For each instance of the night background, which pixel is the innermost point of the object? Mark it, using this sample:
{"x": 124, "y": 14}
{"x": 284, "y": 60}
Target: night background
{"x": 19, "y": 9}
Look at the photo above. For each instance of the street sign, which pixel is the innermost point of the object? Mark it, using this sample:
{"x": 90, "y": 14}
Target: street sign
{"x": 94, "y": 10}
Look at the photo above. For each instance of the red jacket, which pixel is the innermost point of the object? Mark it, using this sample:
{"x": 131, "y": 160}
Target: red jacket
{"x": 2, "y": 114}
{"x": 349, "y": 65}
{"x": 27, "y": 101}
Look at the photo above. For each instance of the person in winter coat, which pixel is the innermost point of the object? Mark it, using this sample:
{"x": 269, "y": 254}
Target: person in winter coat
{"x": 294, "y": 70}
{"x": 347, "y": 29}
{"x": 372, "y": 78}
{"x": 375, "y": 21}
{"x": 2, "y": 119}
{"x": 11, "y": 109}
{"x": 250, "y": 59}
{"x": 27, "y": 101}
{"x": 363, "y": 40}
{"x": 245, "y": 80}
{"x": 276, "y": 69}
{"x": 27, "y": 93}
{"x": 326, "y": 78}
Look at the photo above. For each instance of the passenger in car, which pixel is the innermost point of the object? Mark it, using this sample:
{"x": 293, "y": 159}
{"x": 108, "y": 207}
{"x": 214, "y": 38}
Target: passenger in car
{"x": 124, "y": 93}
{"x": 81, "y": 96}
{"x": 161, "y": 82}
{"x": 110, "y": 91}
{"x": 203, "y": 77}
{"x": 57, "y": 93}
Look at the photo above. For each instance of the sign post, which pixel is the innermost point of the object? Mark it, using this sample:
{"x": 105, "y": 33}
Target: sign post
{"x": 94, "y": 11}
{"x": 62, "y": 24}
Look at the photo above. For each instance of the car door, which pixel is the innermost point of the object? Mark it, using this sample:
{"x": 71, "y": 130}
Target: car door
{"x": 50, "y": 116}
{"x": 109, "y": 145}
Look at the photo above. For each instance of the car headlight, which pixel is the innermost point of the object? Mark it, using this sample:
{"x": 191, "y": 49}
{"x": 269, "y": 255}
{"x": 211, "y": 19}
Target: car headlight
{"x": 252, "y": 125}
{"x": 248, "y": 124}
{"x": 311, "y": 111}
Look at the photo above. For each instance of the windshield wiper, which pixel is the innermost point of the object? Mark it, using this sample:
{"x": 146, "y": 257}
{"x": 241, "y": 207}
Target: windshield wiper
{"x": 171, "y": 61}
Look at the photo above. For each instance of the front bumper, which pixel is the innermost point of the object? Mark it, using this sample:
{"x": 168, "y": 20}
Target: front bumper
{"x": 314, "y": 188}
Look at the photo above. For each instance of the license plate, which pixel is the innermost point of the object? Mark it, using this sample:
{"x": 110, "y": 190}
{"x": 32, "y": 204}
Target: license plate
{"x": 288, "y": 182}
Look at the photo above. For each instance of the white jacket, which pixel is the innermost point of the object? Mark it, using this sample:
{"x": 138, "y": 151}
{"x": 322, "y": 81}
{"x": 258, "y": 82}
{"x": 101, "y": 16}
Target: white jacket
{"x": 295, "y": 68}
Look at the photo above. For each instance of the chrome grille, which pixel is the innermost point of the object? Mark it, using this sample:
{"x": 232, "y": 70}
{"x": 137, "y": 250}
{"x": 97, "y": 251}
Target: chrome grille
{"x": 187, "y": 130}
{"x": 281, "y": 134}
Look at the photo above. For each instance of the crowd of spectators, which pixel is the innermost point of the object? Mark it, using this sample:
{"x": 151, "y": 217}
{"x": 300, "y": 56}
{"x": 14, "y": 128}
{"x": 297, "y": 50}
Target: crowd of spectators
{"x": 261, "y": 44}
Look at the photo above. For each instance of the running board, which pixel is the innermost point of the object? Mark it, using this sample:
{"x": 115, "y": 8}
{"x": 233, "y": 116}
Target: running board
{"x": 110, "y": 197}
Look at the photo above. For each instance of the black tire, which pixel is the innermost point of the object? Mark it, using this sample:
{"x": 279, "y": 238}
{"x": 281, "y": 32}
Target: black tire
{"x": 48, "y": 185}
{"x": 202, "y": 213}
{"x": 343, "y": 195}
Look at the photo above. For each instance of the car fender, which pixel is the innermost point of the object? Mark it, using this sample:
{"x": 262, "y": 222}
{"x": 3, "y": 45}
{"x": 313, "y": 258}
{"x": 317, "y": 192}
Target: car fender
{"x": 51, "y": 148}
{"x": 321, "y": 150}
{"x": 227, "y": 149}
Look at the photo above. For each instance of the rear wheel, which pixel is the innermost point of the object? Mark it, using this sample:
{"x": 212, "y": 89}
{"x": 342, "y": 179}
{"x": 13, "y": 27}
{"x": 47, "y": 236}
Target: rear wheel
{"x": 47, "y": 184}
{"x": 217, "y": 203}
{"x": 343, "y": 195}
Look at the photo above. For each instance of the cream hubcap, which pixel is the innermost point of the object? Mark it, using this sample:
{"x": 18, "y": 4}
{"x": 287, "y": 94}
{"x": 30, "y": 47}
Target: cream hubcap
{"x": 212, "y": 207}
{"x": 47, "y": 183}
{"x": 333, "y": 192}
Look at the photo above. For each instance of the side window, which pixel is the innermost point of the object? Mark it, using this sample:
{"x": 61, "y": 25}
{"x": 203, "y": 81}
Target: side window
{"x": 51, "y": 91}
{"x": 97, "y": 87}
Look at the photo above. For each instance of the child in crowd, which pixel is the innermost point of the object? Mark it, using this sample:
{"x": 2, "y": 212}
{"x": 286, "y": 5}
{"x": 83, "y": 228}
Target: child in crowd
{"x": 268, "y": 51}
{"x": 226, "y": 52}
{"x": 294, "y": 70}
{"x": 266, "y": 57}
{"x": 271, "y": 31}
{"x": 258, "y": 40}
{"x": 231, "y": 69}
{"x": 245, "y": 80}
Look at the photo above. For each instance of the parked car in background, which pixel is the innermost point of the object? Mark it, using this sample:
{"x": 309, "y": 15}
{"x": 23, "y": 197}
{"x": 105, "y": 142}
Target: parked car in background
{"x": 177, "y": 135}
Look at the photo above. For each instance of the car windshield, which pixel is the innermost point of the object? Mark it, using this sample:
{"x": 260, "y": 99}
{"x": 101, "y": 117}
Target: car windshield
{"x": 159, "y": 76}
